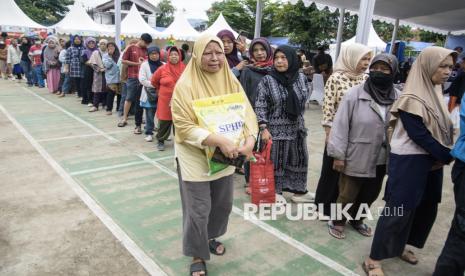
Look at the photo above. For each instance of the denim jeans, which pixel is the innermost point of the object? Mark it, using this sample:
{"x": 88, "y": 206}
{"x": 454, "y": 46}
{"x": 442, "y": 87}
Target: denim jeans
{"x": 149, "y": 120}
{"x": 123, "y": 99}
{"x": 66, "y": 86}
{"x": 39, "y": 75}
{"x": 27, "y": 69}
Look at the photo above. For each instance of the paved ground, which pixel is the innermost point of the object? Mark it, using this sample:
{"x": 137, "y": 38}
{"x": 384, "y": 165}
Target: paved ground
{"x": 64, "y": 171}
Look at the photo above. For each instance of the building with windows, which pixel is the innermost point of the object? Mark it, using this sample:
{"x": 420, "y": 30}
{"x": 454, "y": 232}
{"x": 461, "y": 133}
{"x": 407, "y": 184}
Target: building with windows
{"x": 105, "y": 13}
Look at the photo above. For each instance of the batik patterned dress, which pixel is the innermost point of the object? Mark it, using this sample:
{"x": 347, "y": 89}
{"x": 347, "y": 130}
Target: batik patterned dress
{"x": 289, "y": 151}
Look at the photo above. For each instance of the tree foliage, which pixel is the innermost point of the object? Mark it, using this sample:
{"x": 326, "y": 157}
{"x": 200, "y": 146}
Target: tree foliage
{"x": 166, "y": 15}
{"x": 240, "y": 14}
{"x": 306, "y": 26}
{"x": 46, "y": 12}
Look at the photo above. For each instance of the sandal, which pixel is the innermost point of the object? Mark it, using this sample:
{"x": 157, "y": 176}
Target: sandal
{"x": 198, "y": 267}
{"x": 409, "y": 257}
{"x": 213, "y": 245}
{"x": 333, "y": 231}
{"x": 137, "y": 130}
{"x": 122, "y": 124}
{"x": 372, "y": 269}
{"x": 363, "y": 229}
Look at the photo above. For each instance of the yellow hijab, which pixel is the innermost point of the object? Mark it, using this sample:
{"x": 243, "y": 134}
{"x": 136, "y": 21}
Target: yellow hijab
{"x": 349, "y": 58}
{"x": 195, "y": 84}
{"x": 422, "y": 98}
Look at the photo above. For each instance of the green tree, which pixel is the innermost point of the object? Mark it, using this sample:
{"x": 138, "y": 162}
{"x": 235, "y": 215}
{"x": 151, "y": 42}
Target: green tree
{"x": 436, "y": 38}
{"x": 46, "y": 12}
{"x": 311, "y": 27}
{"x": 166, "y": 15}
{"x": 240, "y": 14}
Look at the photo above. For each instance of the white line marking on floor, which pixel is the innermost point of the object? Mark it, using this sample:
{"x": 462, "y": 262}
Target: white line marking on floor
{"x": 101, "y": 169}
{"x": 127, "y": 242}
{"x": 123, "y": 165}
{"x": 275, "y": 232}
{"x": 71, "y": 115}
{"x": 78, "y": 136}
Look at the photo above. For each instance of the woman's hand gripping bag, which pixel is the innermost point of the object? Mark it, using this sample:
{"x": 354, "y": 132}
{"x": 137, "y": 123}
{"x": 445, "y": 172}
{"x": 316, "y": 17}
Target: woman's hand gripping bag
{"x": 223, "y": 115}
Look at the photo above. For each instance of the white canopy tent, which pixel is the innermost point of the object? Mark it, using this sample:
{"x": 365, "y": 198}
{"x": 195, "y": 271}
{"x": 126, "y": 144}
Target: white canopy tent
{"x": 134, "y": 25}
{"x": 181, "y": 29}
{"x": 12, "y": 16}
{"x": 219, "y": 25}
{"x": 374, "y": 42}
{"x": 77, "y": 21}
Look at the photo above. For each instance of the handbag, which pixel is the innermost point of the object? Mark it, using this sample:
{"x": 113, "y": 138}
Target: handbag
{"x": 262, "y": 182}
{"x": 152, "y": 96}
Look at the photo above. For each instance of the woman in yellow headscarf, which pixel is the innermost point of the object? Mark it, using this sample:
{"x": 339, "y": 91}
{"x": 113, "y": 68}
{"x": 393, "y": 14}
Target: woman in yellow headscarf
{"x": 206, "y": 199}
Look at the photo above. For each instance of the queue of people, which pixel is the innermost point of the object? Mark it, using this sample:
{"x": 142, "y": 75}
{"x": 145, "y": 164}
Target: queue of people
{"x": 371, "y": 129}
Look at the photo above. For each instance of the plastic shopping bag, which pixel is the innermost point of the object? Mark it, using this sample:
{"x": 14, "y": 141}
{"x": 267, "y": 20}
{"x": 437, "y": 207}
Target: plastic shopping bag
{"x": 224, "y": 115}
{"x": 262, "y": 183}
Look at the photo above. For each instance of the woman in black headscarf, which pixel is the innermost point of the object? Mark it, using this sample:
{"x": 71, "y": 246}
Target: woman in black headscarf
{"x": 358, "y": 142}
{"x": 280, "y": 106}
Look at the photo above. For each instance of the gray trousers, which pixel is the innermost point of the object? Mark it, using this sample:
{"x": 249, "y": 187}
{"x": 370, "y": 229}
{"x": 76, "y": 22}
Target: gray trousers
{"x": 205, "y": 209}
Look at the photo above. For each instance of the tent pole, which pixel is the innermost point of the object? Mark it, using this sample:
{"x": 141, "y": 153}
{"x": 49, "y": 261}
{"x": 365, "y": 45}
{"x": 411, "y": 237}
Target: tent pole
{"x": 340, "y": 30}
{"x": 365, "y": 16}
{"x": 258, "y": 19}
{"x": 394, "y": 36}
{"x": 118, "y": 23}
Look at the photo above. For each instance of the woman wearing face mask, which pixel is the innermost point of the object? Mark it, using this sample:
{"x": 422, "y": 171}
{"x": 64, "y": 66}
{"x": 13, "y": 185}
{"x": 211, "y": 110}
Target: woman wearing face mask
{"x": 261, "y": 56}
{"x": 206, "y": 200}
{"x": 358, "y": 141}
{"x": 88, "y": 72}
{"x": 349, "y": 71}
{"x": 148, "y": 98}
{"x": 52, "y": 64}
{"x": 99, "y": 85}
{"x": 422, "y": 135}
{"x": 164, "y": 80}
{"x": 231, "y": 50}
{"x": 280, "y": 106}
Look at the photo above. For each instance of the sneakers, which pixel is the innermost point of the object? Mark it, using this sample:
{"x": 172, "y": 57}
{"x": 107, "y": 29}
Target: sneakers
{"x": 108, "y": 113}
{"x": 148, "y": 138}
{"x": 161, "y": 146}
{"x": 89, "y": 105}
{"x": 93, "y": 109}
{"x": 306, "y": 198}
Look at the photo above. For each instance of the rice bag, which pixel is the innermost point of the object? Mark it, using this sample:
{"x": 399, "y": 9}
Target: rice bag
{"x": 224, "y": 115}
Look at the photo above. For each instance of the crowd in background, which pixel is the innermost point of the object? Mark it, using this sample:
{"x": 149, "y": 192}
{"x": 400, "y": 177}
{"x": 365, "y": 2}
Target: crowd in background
{"x": 369, "y": 123}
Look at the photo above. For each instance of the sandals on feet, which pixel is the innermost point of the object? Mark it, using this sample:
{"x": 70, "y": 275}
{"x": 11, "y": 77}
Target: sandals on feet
{"x": 138, "y": 130}
{"x": 213, "y": 245}
{"x": 333, "y": 231}
{"x": 122, "y": 124}
{"x": 409, "y": 257}
{"x": 372, "y": 269}
{"x": 363, "y": 229}
{"x": 198, "y": 267}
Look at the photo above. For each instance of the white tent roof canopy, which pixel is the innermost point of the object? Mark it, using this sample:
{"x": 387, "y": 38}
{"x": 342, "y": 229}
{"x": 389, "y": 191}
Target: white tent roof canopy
{"x": 134, "y": 25}
{"x": 12, "y": 15}
{"x": 181, "y": 29}
{"x": 77, "y": 21}
{"x": 374, "y": 42}
{"x": 439, "y": 16}
{"x": 219, "y": 25}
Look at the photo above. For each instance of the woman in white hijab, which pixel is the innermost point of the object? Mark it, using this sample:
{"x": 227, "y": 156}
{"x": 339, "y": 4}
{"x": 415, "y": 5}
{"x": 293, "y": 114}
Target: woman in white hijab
{"x": 349, "y": 71}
